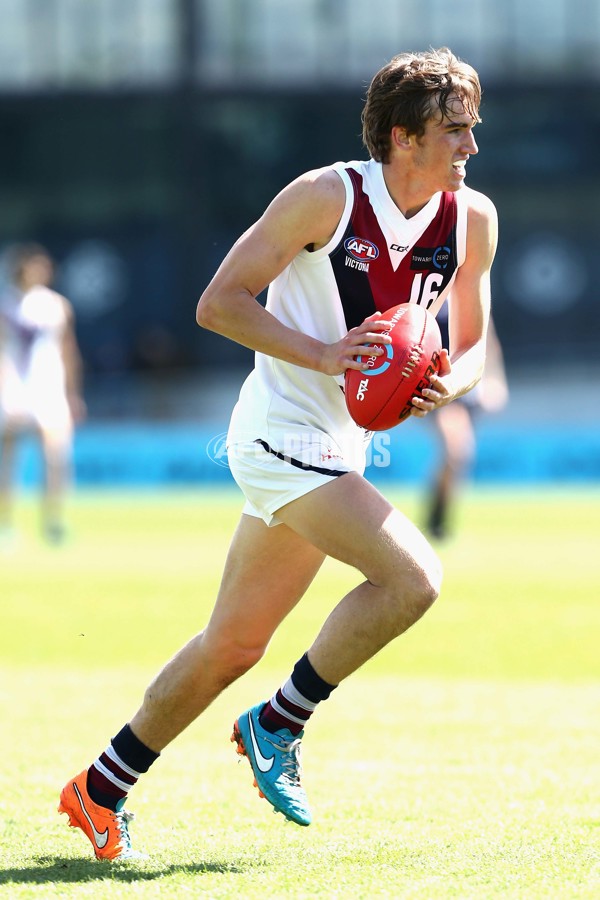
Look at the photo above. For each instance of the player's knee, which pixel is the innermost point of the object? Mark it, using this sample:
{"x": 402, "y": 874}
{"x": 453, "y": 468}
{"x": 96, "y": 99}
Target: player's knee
{"x": 242, "y": 657}
{"x": 233, "y": 657}
{"x": 423, "y": 585}
{"x": 431, "y": 583}
{"x": 461, "y": 458}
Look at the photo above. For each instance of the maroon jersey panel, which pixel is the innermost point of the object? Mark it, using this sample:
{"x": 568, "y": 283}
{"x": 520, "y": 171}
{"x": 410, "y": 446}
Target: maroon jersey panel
{"x": 362, "y": 265}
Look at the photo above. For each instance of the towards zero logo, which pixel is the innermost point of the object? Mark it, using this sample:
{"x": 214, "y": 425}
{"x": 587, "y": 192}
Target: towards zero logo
{"x": 373, "y": 360}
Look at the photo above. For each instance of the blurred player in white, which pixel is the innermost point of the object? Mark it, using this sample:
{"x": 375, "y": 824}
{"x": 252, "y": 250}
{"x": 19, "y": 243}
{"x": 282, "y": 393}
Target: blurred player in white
{"x": 40, "y": 382}
{"x": 455, "y": 426}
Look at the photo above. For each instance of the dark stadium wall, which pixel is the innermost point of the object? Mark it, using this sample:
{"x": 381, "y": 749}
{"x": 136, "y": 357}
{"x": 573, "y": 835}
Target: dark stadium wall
{"x": 140, "y": 196}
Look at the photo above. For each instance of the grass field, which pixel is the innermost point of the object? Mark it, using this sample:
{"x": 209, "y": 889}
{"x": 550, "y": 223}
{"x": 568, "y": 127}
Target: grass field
{"x": 462, "y": 762}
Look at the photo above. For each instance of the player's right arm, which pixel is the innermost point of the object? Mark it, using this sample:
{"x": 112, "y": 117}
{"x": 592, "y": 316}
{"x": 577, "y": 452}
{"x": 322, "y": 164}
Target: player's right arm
{"x": 305, "y": 214}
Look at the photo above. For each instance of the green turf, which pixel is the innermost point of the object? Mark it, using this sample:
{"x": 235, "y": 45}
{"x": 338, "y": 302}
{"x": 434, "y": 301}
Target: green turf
{"x": 463, "y": 762}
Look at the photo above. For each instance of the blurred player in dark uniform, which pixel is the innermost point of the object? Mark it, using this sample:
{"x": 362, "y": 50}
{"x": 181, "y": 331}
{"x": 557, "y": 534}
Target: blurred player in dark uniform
{"x": 455, "y": 426}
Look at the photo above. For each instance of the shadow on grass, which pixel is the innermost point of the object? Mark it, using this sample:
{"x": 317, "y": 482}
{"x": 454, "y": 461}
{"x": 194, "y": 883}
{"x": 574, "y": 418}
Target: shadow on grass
{"x": 70, "y": 871}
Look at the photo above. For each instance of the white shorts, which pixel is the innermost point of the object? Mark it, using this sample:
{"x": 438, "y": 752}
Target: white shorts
{"x": 270, "y": 478}
{"x": 46, "y": 412}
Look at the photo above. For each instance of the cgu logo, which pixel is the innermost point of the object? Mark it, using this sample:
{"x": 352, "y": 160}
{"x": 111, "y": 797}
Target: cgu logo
{"x": 361, "y": 249}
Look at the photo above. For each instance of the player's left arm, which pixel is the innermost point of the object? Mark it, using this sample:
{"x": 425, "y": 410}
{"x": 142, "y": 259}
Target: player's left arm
{"x": 493, "y": 389}
{"x": 73, "y": 364}
{"x": 469, "y": 311}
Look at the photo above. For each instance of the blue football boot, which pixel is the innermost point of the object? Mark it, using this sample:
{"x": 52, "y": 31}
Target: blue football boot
{"x": 275, "y": 761}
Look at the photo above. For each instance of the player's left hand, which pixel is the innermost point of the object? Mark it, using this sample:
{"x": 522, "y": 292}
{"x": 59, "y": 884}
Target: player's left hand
{"x": 439, "y": 392}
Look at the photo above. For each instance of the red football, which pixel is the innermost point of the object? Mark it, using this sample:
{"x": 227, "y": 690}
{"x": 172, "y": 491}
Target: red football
{"x": 381, "y": 396}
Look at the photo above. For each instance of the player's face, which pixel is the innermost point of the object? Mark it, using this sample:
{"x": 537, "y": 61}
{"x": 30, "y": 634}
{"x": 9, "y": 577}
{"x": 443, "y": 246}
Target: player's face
{"x": 441, "y": 154}
{"x": 37, "y": 270}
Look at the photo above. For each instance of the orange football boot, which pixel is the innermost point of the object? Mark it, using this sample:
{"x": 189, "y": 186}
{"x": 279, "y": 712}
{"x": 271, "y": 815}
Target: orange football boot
{"x": 108, "y": 831}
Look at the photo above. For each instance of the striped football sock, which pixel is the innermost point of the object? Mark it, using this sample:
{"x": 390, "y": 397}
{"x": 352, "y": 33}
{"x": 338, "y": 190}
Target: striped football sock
{"x": 294, "y": 703}
{"x": 114, "y": 773}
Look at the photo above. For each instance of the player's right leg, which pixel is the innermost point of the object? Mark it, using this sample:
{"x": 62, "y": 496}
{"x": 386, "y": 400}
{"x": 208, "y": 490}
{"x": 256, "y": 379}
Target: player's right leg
{"x": 266, "y": 573}
{"x": 107, "y": 830}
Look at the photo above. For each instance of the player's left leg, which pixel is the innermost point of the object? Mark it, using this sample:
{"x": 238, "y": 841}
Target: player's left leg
{"x": 454, "y": 425}
{"x": 7, "y": 448}
{"x": 57, "y": 440}
{"x": 348, "y": 519}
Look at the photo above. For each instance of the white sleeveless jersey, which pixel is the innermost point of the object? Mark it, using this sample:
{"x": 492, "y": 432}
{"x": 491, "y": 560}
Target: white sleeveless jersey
{"x": 32, "y": 371}
{"x": 376, "y": 259}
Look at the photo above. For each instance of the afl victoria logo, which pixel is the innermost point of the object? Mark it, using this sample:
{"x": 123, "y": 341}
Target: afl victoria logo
{"x": 361, "y": 249}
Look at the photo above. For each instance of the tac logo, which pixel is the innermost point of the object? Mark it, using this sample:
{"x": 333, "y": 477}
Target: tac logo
{"x": 441, "y": 257}
{"x": 363, "y": 387}
{"x": 361, "y": 249}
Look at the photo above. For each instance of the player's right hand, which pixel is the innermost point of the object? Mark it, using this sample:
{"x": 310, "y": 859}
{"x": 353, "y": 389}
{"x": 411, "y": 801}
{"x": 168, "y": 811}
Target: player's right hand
{"x": 358, "y": 342}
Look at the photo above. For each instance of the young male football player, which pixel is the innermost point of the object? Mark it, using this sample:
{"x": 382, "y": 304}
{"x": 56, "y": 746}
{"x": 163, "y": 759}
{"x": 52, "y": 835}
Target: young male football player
{"x": 40, "y": 382}
{"x": 293, "y": 448}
